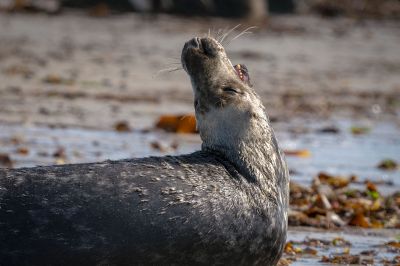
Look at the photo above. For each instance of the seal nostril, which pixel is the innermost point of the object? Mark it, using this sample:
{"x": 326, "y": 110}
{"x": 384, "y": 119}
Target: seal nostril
{"x": 200, "y": 43}
{"x": 196, "y": 42}
{"x": 208, "y": 47}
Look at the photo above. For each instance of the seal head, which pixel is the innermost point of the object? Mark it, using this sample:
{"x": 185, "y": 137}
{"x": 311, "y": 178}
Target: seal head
{"x": 216, "y": 82}
{"x": 230, "y": 115}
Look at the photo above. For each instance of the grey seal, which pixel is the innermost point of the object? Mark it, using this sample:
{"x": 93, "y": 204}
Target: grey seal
{"x": 224, "y": 205}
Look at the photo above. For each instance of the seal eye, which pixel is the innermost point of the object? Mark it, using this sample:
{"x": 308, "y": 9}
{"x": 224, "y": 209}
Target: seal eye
{"x": 230, "y": 90}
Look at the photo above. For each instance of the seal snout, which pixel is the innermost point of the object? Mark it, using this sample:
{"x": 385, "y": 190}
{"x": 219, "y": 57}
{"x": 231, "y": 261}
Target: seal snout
{"x": 205, "y": 46}
{"x": 199, "y": 51}
{"x": 210, "y": 47}
{"x": 194, "y": 43}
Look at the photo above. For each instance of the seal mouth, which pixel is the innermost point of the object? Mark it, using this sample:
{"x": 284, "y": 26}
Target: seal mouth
{"x": 242, "y": 72}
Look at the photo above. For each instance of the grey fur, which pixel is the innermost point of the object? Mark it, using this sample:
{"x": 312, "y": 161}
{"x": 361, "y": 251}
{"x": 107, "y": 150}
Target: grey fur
{"x": 224, "y": 205}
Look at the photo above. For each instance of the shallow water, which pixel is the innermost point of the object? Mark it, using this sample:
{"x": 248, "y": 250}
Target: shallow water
{"x": 342, "y": 153}
{"x": 83, "y": 145}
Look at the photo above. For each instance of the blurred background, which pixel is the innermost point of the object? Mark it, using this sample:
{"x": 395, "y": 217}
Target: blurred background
{"x": 90, "y": 80}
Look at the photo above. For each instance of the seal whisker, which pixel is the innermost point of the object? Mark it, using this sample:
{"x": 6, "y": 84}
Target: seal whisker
{"x": 213, "y": 34}
{"x": 219, "y": 34}
{"x": 175, "y": 69}
{"x": 246, "y": 31}
{"x": 229, "y": 32}
{"x": 170, "y": 66}
{"x": 174, "y": 63}
{"x": 167, "y": 70}
{"x": 178, "y": 59}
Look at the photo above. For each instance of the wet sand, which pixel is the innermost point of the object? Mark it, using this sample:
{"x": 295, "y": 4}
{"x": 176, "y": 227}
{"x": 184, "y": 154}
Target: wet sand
{"x": 72, "y": 69}
{"x": 361, "y": 241}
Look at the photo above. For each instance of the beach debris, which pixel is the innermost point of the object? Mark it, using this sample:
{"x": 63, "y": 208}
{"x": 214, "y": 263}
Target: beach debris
{"x": 388, "y": 164}
{"x": 60, "y": 152}
{"x": 298, "y": 153}
{"x": 60, "y": 161}
{"x": 334, "y": 181}
{"x": 23, "y": 151}
{"x": 344, "y": 259}
{"x": 284, "y": 262}
{"x": 393, "y": 244}
{"x": 394, "y": 261}
{"x": 360, "y": 220}
{"x": 16, "y": 140}
{"x": 21, "y": 70}
{"x": 357, "y": 130}
{"x": 5, "y": 160}
{"x": 122, "y": 126}
{"x": 338, "y": 251}
{"x": 158, "y": 146}
{"x": 331, "y": 202}
{"x": 163, "y": 146}
{"x": 177, "y": 123}
{"x": 311, "y": 247}
{"x": 55, "y": 79}
{"x": 60, "y": 156}
{"x": 329, "y": 130}
{"x": 290, "y": 249}
{"x": 340, "y": 242}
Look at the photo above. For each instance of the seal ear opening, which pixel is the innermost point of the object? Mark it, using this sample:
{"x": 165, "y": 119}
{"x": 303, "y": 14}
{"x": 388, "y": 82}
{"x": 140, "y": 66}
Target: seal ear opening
{"x": 243, "y": 73}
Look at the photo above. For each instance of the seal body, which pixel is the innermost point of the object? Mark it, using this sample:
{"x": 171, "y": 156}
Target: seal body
{"x": 155, "y": 211}
{"x": 224, "y": 205}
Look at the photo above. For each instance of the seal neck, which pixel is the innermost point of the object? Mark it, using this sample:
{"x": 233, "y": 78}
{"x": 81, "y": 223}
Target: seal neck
{"x": 255, "y": 154}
